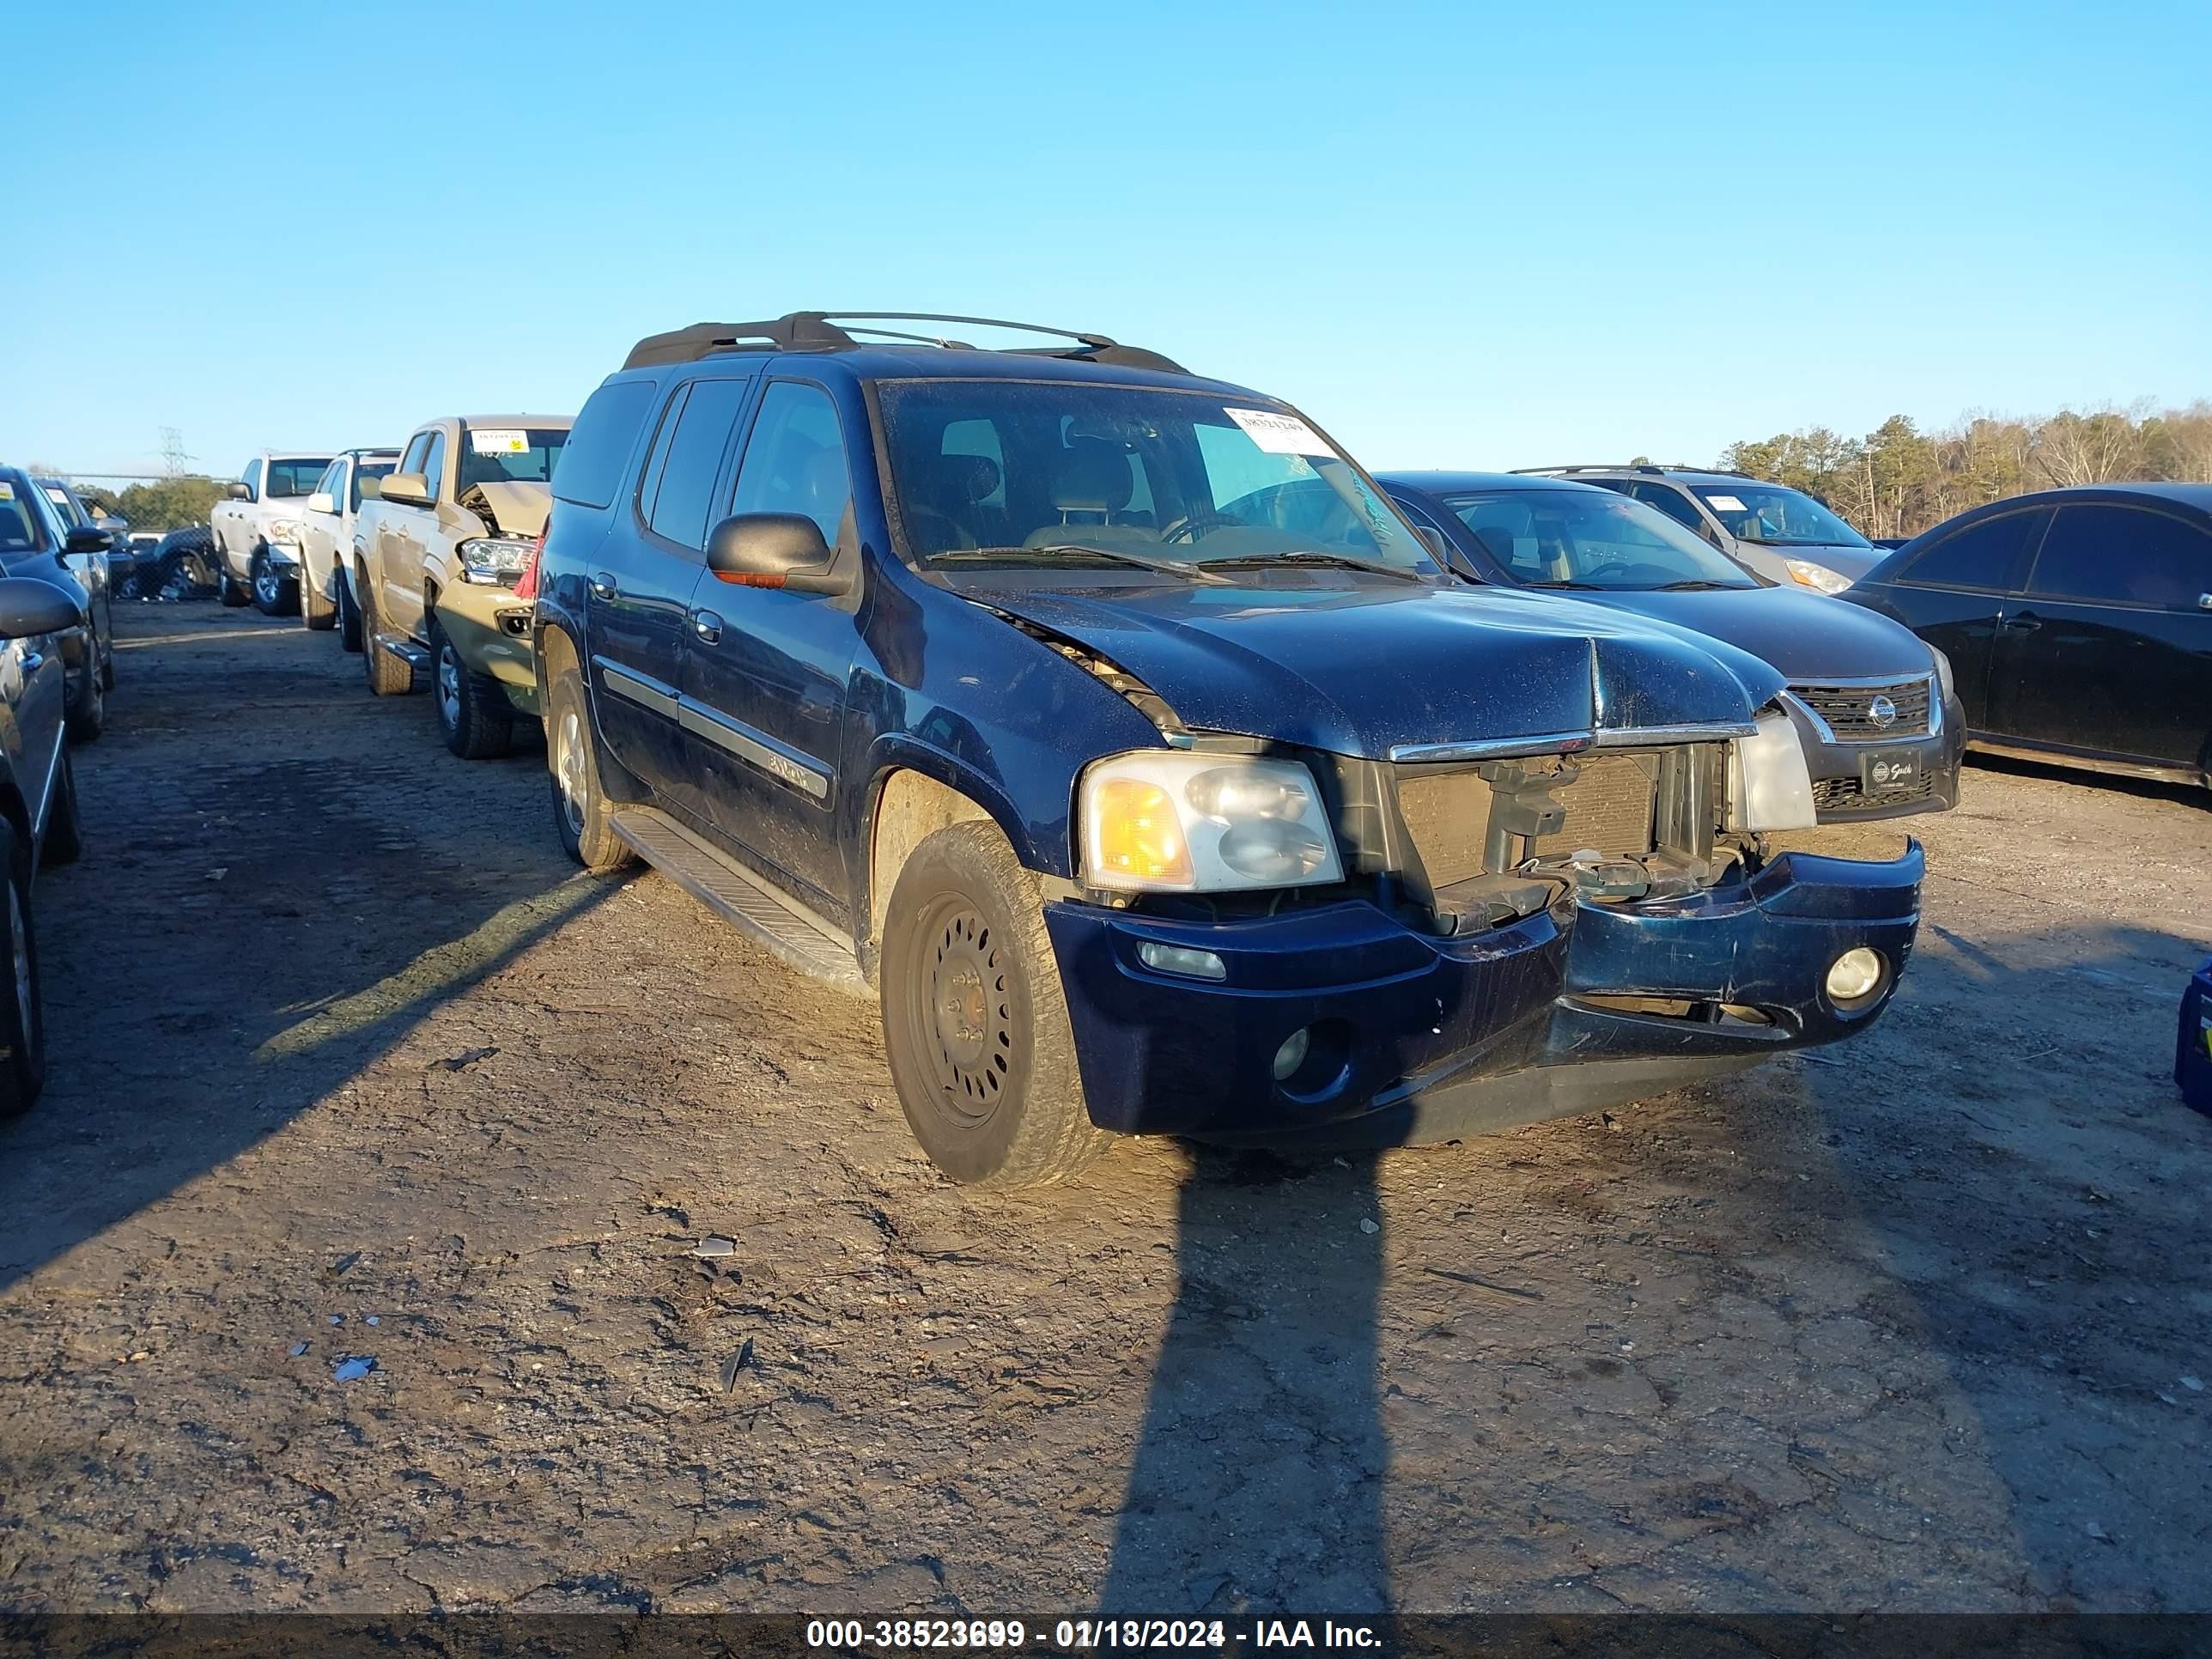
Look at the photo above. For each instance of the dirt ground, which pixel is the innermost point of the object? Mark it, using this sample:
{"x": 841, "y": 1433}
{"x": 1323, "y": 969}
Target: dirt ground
{"x": 348, "y": 1063}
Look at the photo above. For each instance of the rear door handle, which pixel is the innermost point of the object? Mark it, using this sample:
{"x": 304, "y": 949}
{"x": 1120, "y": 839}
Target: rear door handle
{"x": 707, "y": 625}
{"x": 603, "y": 585}
{"x": 2021, "y": 624}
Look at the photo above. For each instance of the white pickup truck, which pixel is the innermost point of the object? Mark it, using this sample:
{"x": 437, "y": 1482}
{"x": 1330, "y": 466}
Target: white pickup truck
{"x": 256, "y": 530}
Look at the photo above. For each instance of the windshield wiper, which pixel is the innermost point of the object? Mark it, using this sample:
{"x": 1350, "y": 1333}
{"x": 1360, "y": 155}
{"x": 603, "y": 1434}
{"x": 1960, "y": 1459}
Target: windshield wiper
{"x": 1699, "y": 585}
{"x": 1256, "y": 560}
{"x": 1047, "y": 552}
{"x": 1588, "y": 587}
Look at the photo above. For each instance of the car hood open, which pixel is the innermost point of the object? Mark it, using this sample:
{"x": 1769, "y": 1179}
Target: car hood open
{"x": 1806, "y": 635}
{"x": 1362, "y": 668}
{"x": 510, "y": 509}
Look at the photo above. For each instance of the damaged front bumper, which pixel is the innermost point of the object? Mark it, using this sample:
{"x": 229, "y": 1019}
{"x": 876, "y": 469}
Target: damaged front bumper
{"x": 1409, "y": 1036}
{"x": 490, "y": 630}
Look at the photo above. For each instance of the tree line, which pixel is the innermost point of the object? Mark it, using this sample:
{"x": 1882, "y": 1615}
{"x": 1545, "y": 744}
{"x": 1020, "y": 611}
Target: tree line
{"x": 1898, "y": 480}
{"x": 158, "y": 503}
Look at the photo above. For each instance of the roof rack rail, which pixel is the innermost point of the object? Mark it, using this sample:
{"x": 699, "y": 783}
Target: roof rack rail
{"x": 1655, "y": 468}
{"x": 834, "y": 331}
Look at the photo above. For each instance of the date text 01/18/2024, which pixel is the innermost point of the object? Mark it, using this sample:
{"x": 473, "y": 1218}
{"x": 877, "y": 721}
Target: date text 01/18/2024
{"x": 1084, "y": 1635}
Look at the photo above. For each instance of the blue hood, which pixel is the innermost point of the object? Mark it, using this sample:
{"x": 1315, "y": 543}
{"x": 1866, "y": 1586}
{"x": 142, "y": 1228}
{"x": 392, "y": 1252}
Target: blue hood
{"x": 1361, "y": 666}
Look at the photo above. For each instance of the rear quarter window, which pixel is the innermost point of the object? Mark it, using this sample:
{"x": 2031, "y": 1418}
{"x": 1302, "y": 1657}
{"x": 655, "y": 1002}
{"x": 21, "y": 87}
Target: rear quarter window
{"x": 590, "y": 469}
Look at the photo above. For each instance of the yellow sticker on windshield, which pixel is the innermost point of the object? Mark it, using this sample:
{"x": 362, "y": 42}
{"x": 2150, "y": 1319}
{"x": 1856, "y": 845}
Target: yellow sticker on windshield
{"x": 1279, "y": 435}
{"x": 498, "y": 439}
{"x": 6, "y": 490}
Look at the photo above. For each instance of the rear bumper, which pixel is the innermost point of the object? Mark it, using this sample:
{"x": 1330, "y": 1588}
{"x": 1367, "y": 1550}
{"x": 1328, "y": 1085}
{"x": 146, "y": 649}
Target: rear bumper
{"x": 1411, "y": 1036}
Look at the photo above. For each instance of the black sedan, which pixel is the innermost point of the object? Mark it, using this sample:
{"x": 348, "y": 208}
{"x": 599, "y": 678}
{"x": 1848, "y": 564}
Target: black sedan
{"x": 2078, "y": 622}
{"x": 1881, "y": 730}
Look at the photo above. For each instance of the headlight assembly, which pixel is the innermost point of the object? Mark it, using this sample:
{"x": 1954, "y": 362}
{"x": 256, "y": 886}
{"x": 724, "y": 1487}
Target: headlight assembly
{"x": 493, "y": 559}
{"x": 1942, "y": 672}
{"x": 1182, "y": 821}
{"x": 1769, "y": 785}
{"x": 1818, "y": 577}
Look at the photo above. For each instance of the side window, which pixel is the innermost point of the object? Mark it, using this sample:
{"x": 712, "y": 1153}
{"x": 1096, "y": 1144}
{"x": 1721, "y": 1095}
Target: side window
{"x": 332, "y": 483}
{"x": 2122, "y": 556}
{"x": 648, "y": 483}
{"x": 700, "y": 438}
{"x": 1982, "y": 556}
{"x": 590, "y": 469}
{"x": 434, "y": 464}
{"x": 795, "y": 460}
{"x": 412, "y": 460}
{"x": 1675, "y": 505}
{"x": 252, "y": 476}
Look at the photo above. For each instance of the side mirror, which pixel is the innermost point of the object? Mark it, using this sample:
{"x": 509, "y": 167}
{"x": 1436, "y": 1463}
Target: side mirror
{"x": 1434, "y": 541}
{"x": 89, "y": 538}
{"x": 408, "y": 488}
{"x": 775, "y": 550}
{"x": 241, "y": 491}
{"x": 320, "y": 501}
{"x": 114, "y": 525}
{"x": 29, "y": 606}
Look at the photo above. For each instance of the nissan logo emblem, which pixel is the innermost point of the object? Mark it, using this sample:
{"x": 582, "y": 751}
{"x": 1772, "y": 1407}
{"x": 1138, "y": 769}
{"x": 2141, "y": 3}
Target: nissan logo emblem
{"x": 1882, "y": 712}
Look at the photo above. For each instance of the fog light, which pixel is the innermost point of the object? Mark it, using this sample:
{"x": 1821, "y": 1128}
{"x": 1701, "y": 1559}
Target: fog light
{"x": 1854, "y": 976}
{"x": 1292, "y": 1053}
{"x": 1181, "y": 959}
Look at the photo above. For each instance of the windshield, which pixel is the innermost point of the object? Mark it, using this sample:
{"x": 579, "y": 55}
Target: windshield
{"x": 65, "y": 509}
{"x": 1059, "y": 472}
{"x": 1777, "y": 516}
{"x": 1584, "y": 537}
{"x": 295, "y": 477}
{"x": 21, "y": 525}
{"x": 511, "y": 454}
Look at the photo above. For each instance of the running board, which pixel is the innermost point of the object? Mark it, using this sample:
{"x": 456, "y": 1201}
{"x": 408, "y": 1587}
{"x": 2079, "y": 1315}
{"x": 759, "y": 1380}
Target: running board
{"x": 739, "y": 898}
{"x": 416, "y": 657}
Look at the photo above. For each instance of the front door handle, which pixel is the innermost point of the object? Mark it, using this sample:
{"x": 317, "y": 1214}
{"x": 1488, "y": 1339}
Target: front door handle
{"x": 603, "y": 585}
{"x": 707, "y": 625}
{"x": 2021, "y": 624}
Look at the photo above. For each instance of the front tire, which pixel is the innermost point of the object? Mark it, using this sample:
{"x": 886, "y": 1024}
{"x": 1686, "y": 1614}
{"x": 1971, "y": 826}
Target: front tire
{"x": 581, "y": 813}
{"x": 227, "y": 588}
{"x": 317, "y": 613}
{"x": 348, "y": 616}
{"x": 974, "y": 1019}
{"x": 89, "y": 718}
{"x": 272, "y": 592}
{"x": 474, "y": 716}
{"x": 64, "y": 842}
{"x": 23, "y": 1012}
{"x": 388, "y": 676}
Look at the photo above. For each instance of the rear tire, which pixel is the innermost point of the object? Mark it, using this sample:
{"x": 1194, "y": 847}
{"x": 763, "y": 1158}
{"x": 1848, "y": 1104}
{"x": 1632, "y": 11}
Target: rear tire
{"x": 64, "y": 842}
{"x": 582, "y": 812}
{"x": 474, "y": 716}
{"x": 317, "y": 613}
{"x": 22, "y": 1013}
{"x": 388, "y": 676}
{"x": 974, "y": 1019}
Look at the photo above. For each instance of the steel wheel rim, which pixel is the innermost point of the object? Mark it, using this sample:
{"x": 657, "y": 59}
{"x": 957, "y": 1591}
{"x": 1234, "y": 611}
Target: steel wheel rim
{"x": 569, "y": 773}
{"x": 449, "y": 683}
{"x": 19, "y": 940}
{"x": 961, "y": 1012}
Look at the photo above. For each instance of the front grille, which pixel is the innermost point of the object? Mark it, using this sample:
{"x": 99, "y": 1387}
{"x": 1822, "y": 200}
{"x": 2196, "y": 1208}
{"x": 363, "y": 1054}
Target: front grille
{"x": 1844, "y": 795}
{"x": 1610, "y": 805}
{"x": 1849, "y": 710}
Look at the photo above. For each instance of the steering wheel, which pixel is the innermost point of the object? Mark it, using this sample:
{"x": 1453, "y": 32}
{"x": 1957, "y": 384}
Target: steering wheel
{"x": 1189, "y": 526}
{"x": 960, "y": 539}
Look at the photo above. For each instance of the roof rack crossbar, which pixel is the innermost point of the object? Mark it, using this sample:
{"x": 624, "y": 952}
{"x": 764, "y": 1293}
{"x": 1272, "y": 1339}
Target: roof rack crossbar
{"x": 825, "y": 331}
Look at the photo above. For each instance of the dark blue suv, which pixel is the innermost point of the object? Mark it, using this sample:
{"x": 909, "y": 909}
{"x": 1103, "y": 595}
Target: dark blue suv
{"x": 1151, "y": 788}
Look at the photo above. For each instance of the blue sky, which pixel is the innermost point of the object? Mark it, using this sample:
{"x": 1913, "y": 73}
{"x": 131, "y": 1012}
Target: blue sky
{"x": 1454, "y": 235}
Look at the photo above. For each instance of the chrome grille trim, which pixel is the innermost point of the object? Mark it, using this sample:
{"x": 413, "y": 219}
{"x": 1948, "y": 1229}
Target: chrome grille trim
{"x": 1838, "y": 709}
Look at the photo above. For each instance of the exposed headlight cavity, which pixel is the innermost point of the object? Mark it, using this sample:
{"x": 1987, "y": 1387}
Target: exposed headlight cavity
{"x": 1182, "y": 821}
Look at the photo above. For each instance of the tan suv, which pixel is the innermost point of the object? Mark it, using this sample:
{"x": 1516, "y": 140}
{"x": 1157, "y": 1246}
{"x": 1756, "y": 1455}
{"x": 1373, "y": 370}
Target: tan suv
{"x": 435, "y": 557}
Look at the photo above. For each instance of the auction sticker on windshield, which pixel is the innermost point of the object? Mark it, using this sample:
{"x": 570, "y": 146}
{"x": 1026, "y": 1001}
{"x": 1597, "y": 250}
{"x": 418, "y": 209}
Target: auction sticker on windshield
{"x": 6, "y": 490}
{"x": 1279, "y": 435}
{"x": 1726, "y": 504}
{"x": 498, "y": 439}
